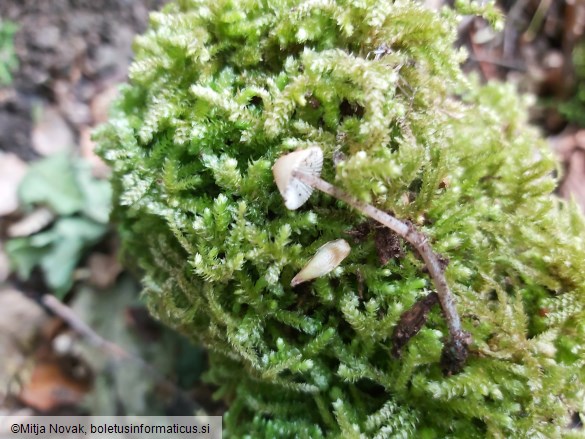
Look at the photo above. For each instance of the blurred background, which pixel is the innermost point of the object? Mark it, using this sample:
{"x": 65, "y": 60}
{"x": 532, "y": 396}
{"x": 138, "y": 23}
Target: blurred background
{"x": 74, "y": 335}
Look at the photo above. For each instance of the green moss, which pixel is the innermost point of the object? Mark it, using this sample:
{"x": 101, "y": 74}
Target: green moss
{"x": 218, "y": 91}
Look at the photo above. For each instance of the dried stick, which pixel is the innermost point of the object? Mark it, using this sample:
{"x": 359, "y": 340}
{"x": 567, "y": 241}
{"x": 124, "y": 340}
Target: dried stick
{"x": 457, "y": 346}
{"x": 83, "y": 329}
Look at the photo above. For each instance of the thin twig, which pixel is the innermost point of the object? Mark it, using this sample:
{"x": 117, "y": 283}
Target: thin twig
{"x": 459, "y": 338}
{"x": 83, "y": 329}
{"x": 111, "y": 348}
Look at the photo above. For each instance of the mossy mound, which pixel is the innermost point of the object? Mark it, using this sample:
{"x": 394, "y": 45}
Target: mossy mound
{"x": 218, "y": 91}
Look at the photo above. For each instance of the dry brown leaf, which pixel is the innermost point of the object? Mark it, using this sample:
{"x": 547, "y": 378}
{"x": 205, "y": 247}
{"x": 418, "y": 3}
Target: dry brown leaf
{"x": 87, "y": 148}
{"x": 101, "y": 103}
{"x": 20, "y": 322}
{"x": 74, "y": 110}
{"x": 34, "y": 222}
{"x": 580, "y": 139}
{"x": 104, "y": 269}
{"x": 50, "y": 387}
{"x": 20, "y": 317}
{"x": 12, "y": 171}
{"x": 574, "y": 182}
{"x": 563, "y": 144}
{"x": 51, "y": 134}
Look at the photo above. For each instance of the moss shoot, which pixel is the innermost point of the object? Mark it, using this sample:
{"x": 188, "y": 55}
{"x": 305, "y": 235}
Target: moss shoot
{"x": 219, "y": 90}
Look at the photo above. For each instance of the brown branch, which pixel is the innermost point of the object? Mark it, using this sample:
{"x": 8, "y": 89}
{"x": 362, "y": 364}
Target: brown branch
{"x": 456, "y": 349}
{"x": 82, "y": 328}
{"x": 111, "y": 348}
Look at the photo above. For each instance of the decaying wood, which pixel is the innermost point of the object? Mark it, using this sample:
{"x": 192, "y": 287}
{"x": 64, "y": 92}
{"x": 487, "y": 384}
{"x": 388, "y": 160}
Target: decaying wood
{"x": 411, "y": 322}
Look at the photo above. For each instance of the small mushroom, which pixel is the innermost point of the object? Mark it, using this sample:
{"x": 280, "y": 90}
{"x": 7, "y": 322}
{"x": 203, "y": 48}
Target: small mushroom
{"x": 294, "y": 191}
{"x": 326, "y": 259}
{"x": 298, "y": 173}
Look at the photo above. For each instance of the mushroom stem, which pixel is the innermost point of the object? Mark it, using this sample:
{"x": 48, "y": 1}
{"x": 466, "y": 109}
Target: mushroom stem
{"x": 459, "y": 338}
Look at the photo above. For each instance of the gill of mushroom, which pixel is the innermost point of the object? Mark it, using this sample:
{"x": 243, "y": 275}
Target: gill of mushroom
{"x": 296, "y": 175}
{"x": 326, "y": 259}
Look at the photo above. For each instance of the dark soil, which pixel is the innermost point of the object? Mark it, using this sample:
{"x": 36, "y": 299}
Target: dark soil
{"x": 69, "y": 51}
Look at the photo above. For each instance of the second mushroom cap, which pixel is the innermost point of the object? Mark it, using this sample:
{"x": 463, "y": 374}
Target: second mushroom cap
{"x": 326, "y": 259}
{"x": 294, "y": 191}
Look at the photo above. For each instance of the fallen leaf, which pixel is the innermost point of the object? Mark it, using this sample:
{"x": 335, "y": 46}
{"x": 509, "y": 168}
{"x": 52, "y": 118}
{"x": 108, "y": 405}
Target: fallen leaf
{"x": 580, "y": 139}
{"x": 12, "y": 171}
{"x": 100, "y": 104}
{"x": 104, "y": 269}
{"x": 75, "y": 234}
{"x": 56, "y": 250}
{"x": 97, "y": 194}
{"x": 564, "y": 143}
{"x": 25, "y": 254}
{"x": 50, "y": 387}
{"x": 99, "y": 169}
{"x": 74, "y": 110}
{"x": 51, "y": 134}
{"x": 20, "y": 317}
{"x": 573, "y": 184}
{"x": 20, "y": 321}
{"x": 52, "y": 181}
{"x": 34, "y": 222}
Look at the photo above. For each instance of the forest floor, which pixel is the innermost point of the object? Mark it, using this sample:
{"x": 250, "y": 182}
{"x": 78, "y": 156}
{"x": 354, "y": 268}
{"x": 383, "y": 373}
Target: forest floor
{"x": 81, "y": 353}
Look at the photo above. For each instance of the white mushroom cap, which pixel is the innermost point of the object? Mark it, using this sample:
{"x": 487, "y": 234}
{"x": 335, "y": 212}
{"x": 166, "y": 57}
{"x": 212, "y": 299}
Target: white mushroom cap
{"x": 326, "y": 259}
{"x": 294, "y": 191}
